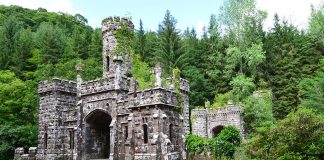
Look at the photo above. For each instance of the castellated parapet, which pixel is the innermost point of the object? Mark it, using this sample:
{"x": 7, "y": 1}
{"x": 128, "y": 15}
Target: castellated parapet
{"x": 110, "y": 118}
{"x": 209, "y": 122}
{"x": 57, "y": 84}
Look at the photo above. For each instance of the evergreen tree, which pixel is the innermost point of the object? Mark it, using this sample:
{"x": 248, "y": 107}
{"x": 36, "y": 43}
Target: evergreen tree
{"x": 150, "y": 48}
{"x": 9, "y": 33}
{"x": 169, "y": 50}
{"x": 95, "y": 47}
{"x": 23, "y": 48}
{"x": 140, "y": 40}
{"x": 51, "y": 42}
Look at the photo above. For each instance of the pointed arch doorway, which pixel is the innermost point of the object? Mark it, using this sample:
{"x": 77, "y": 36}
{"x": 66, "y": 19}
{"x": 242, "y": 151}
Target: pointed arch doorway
{"x": 97, "y": 134}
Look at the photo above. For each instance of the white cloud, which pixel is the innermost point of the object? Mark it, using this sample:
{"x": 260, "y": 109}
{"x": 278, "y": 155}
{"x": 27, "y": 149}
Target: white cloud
{"x": 51, "y": 5}
{"x": 200, "y": 28}
{"x": 296, "y": 12}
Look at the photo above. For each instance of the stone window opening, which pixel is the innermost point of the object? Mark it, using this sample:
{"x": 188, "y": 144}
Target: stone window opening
{"x": 170, "y": 132}
{"x": 71, "y": 139}
{"x": 107, "y": 62}
{"x": 145, "y": 133}
{"x": 45, "y": 137}
{"x": 126, "y": 132}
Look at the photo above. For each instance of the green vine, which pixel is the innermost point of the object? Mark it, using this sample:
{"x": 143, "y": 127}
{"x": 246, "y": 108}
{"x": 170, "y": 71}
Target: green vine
{"x": 193, "y": 118}
{"x": 124, "y": 35}
{"x": 176, "y": 83}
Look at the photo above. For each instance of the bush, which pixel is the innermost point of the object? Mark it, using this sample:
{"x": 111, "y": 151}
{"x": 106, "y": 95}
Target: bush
{"x": 223, "y": 146}
{"x": 226, "y": 142}
{"x": 299, "y": 136}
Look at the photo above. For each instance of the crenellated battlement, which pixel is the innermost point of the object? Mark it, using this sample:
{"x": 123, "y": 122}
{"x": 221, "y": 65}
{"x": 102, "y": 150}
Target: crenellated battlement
{"x": 21, "y": 155}
{"x": 153, "y": 96}
{"x": 184, "y": 85}
{"x": 113, "y": 23}
{"x": 199, "y": 112}
{"x": 230, "y": 109}
{"x": 57, "y": 84}
{"x": 104, "y": 84}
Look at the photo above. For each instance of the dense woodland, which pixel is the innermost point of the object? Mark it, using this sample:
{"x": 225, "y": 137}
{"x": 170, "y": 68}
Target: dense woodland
{"x": 233, "y": 58}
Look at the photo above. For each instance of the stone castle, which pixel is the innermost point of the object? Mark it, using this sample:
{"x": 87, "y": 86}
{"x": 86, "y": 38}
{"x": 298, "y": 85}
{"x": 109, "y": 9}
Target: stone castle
{"x": 111, "y": 118}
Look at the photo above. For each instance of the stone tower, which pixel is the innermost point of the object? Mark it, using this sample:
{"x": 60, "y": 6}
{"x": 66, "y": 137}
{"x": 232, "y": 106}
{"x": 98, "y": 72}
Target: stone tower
{"x": 110, "y": 118}
{"x": 111, "y": 55}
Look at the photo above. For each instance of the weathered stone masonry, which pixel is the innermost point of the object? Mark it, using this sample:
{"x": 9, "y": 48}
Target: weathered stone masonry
{"x": 209, "y": 122}
{"x": 110, "y": 118}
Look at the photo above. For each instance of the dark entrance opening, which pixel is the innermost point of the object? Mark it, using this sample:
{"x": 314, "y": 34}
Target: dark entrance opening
{"x": 216, "y": 130}
{"x": 97, "y": 135}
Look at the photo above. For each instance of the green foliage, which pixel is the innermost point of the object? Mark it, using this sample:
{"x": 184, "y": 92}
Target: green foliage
{"x": 198, "y": 85}
{"x": 140, "y": 41}
{"x": 242, "y": 87}
{"x": 311, "y": 92}
{"x": 209, "y": 58}
{"x": 16, "y": 103}
{"x": 168, "y": 51}
{"x": 247, "y": 61}
{"x": 9, "y": 34}
{"x": 298, "y": 136}
{"x": 176, "y": 83}
{"x": 226, "y": 142}
{"x": 288, "y": 60}
{"x": 196, "y": 144}
{"x": 95, "y": 47}
{"x": 12, "y": 136}
{"x": 222, "y": 146}
{"x": 18, "y": 116}
{"x": 124, "y": 35}
{"x": 222, "y": 99}
{"x": 257, "y": 113}
{"x": 92, "y": 69}
{"x": 242, "y": 21}
{"x": 51, "y": 42}
{"x": 316, "y": 24}
{"x": 141, "y": 72}
{"x": 254, "y": 57}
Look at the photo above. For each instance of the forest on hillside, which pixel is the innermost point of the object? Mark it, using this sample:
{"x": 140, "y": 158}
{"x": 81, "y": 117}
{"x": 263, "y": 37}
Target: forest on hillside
{"x": 233, "y": 58}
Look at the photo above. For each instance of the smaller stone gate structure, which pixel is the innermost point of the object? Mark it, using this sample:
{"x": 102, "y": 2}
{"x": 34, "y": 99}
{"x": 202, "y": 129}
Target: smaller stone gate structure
{"x": 209, "y": 122}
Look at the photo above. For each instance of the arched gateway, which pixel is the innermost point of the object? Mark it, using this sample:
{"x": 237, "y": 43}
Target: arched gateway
{"x": 97, "y": 134}
{"x": 216, "y": 130}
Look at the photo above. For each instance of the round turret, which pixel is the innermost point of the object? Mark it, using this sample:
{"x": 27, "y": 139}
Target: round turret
{"x": 110, "y": 26}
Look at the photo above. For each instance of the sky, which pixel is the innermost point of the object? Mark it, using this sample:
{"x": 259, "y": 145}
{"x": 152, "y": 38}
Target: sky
{"x": 189, "y": 13}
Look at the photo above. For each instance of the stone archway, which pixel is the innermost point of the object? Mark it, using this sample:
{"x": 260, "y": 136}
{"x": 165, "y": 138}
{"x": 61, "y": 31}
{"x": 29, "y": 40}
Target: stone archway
{"x": 216, "y": 130}
{"x": 97, "y": 134}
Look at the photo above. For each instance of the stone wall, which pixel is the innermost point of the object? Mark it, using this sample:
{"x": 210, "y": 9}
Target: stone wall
{"x": 205, "y": 120}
